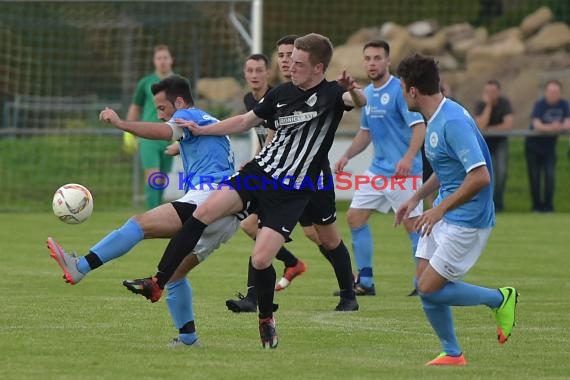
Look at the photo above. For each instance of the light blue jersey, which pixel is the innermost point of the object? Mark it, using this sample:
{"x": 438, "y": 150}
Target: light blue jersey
{"x": 387, "y": 118}
{"x": 206, "y": 159}
{"x": 454, "y": 146}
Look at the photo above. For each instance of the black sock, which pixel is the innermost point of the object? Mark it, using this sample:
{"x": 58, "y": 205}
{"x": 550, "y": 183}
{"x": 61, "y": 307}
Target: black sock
{"x": 180, "y": 246}
{"x": 340, "y": 259}
{"x": 93, "y": 260}
{"x": 287, "y": 257}
{"x": 325, "y": 253}
{"x": 265, "y": 288}
{"x": 251, "y": 282}
{"x": 188, "y": 328}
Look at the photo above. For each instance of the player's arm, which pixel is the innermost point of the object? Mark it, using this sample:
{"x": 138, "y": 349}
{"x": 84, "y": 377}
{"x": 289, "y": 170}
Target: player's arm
{"x": 427, "y": 188}
{"x": 475, "y": 180}
{"x": 404, "y": 166}
{"x": 153, "y": 131}
{"x": 233, "y": 125}
{"x": 417, "y": 140}
{"x": 354, "y": 96}
{"x": 359, "y": 143}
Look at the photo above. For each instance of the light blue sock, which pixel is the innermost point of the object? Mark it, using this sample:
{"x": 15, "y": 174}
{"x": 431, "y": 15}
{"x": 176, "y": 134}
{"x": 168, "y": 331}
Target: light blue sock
{"x": 441, "y": 320}
{"x": 414, "y": 238}
{"x": 465, "y": 294}
{"x": 362, "y": 247}
{"x": 115, "y": 244}
{"x": 179, "y": 301}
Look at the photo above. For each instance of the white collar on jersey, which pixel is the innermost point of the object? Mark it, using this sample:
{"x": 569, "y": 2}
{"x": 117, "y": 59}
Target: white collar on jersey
{"x": 384, "y": 85}
{"x": 437, "y": 110}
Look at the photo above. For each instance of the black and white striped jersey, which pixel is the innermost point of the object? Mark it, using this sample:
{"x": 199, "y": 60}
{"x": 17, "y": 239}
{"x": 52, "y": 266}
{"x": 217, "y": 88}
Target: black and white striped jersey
{"x": 305, "y": 123}
{"x": 261, "y": 130}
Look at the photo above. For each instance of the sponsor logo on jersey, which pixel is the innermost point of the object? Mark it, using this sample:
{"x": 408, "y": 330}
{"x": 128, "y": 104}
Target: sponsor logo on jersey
{"x": 296, "y": 118}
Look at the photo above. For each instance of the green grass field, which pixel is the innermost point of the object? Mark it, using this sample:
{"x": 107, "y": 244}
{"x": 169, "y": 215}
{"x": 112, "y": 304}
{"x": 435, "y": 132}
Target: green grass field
{"x": 97, "y": 330}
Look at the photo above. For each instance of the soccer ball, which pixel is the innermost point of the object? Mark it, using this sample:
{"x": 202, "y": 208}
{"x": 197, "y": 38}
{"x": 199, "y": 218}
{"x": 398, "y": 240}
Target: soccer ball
{"x": 72, "y": 203}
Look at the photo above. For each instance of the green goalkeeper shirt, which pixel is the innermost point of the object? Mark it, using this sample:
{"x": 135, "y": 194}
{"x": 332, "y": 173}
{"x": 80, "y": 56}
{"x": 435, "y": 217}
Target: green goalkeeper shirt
{"x": 143, "y": 98}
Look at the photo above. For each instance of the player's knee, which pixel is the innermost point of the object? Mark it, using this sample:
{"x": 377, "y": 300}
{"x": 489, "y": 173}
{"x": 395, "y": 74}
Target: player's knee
{"x": 145, "y": 223}
{"x": 427, "y": 288}
{"x": 260, "y": 262}
{"x": 355, "y": 219}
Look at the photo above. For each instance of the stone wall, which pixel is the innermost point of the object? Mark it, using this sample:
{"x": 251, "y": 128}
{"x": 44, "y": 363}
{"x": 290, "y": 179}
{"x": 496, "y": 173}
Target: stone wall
{"x": 521, "y": 58}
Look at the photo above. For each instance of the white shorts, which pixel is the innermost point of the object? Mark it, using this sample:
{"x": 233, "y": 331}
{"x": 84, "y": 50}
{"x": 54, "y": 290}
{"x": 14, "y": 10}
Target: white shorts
{"x": 216, "y": 233}
{"x": 391, "y": 197}
{"x": 452, "y": 250}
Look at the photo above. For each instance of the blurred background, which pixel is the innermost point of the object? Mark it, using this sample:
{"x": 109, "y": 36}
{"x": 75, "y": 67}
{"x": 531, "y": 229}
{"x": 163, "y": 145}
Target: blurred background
{"x": 62, "y": 62}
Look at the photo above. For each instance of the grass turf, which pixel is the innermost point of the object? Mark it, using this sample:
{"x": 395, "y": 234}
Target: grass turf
{"x": 97, "y": 330}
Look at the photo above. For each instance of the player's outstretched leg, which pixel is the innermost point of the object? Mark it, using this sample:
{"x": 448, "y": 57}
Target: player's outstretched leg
{"x": 66, "y": 261}
{"x": 112, "y": 246}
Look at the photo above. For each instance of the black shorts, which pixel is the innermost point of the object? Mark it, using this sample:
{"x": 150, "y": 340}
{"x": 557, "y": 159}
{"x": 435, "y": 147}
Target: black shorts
{"x": 278, "y": 209}
{"x": 184, "y": 210}
{"x": 321, "y": 209}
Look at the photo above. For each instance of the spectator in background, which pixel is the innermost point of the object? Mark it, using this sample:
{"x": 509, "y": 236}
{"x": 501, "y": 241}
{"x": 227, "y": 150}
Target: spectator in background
{"x": 152, "y": 152}
{"x": 550, "y": 115}
{"x": 494, "y": 113}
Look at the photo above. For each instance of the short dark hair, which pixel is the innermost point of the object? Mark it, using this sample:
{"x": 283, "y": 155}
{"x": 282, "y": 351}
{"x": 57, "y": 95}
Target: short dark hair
{"x": 420, "y": 71}
{"x": 555, "y": 82}
{"x": 174, "y": 86}
{"x": 259, "y": 57}
{"x": 319, "y": 47}
{"x": 494, "y": 82}
{"x": 378, "y": 44}
{"x": 287, "y": 40}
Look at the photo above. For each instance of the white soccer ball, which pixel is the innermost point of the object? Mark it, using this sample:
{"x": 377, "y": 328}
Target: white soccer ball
{"x": 72, "y": 203}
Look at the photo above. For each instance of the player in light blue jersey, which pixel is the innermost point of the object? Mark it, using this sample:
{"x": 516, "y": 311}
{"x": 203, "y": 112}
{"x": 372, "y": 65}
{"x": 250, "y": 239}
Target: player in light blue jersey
{"x": 396, "y": 169}
{"x": 455, "y": 231}
{"x": 207, "y": 161}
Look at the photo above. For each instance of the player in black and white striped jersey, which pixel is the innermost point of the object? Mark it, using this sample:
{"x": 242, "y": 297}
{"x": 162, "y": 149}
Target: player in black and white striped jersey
{"x": 256, "y": 73}
{"x": 281, "y": 178}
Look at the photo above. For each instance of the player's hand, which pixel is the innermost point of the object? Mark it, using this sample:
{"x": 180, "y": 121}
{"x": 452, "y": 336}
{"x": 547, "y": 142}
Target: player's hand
{"x": 425, "y": 222}
{"x": 190, "y": 125}
{"x": 339, "y": 166}
{"x": 347, "y": 82}
{"x": 404, "y": 167}
{"x": 404, "y": 211}
{"x": 172, "y": 150}
{"x": 109, "y": 116}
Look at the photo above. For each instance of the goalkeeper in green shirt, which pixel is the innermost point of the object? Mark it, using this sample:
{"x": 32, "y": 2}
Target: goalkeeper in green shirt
{"x": 152, "y": 152}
